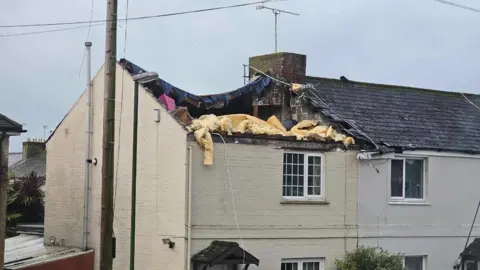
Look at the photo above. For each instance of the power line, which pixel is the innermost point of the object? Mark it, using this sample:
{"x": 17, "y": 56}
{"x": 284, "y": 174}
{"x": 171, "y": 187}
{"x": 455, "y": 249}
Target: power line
{"x": 140, "y": 17}
{"x": 121, "y": 110}
{"x": 458, "y": 5}
{"x": 49, "y": 31}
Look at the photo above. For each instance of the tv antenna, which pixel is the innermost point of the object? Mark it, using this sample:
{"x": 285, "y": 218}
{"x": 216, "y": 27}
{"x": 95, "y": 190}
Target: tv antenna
{"x": 276, "y": 12}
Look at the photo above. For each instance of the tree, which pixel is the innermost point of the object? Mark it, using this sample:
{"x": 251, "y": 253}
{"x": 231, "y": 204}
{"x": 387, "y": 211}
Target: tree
{"x": 369, "y": 258}
{"x": 25, "y": 202}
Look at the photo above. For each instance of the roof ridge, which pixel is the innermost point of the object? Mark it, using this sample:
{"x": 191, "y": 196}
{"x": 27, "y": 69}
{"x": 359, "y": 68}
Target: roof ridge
{"x": 392, "y": 86}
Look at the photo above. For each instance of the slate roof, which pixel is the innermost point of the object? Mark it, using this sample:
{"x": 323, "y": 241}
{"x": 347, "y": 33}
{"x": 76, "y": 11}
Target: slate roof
{"x": 223, "y": 252}
{"x": 472, "y": 252}
{"x": 7, "y": 124}
{"x": 399, "y": 116}
{"x": 14, "y": 157}
{"x": 36, "y": 163}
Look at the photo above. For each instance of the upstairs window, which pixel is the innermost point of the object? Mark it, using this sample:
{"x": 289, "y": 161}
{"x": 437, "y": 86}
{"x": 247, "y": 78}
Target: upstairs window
{"x": 310, "y": 264}
{"x": 407, "y": 179}
{"x": 302, "y": 175}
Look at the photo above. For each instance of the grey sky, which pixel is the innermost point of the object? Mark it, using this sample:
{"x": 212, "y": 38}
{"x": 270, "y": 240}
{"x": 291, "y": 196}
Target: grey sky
{"x": 409, "y": 42}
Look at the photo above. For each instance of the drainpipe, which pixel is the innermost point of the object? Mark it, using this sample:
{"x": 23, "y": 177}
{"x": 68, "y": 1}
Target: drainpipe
{"x": 134, "y": 177}
{"x": 189, "y": 218}
{"x": 139, "y": 78}
{"x": 88, "y": 132}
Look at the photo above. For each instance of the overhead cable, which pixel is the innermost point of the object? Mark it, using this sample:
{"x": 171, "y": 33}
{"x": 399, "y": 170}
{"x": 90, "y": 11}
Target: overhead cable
{"x": 458, "y": 5}
{"x": 139, "y": 17}
{"x": 49, "y": 31}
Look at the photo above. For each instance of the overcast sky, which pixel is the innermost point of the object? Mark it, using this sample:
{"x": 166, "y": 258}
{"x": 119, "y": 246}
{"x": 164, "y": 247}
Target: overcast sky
{"x": 409, "y": 42}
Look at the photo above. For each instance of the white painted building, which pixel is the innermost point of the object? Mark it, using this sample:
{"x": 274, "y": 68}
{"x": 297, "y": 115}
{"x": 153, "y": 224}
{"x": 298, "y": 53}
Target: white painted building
{"x": 257, "y": 193}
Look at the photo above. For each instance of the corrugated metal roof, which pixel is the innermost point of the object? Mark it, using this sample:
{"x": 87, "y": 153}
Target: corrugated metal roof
{"x": 23, "y": 250}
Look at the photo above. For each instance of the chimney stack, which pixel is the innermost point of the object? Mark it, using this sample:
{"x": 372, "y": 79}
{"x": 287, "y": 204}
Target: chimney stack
{"x": 32, "y": 147}
{"x": 290, "y": 66}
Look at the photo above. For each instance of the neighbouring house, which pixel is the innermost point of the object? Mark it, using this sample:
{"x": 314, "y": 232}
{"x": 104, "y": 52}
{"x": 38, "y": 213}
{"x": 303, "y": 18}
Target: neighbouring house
{"x": 14, "y": 157}
{"x": 282, "y": 192}
{"x": 33, "y": 159}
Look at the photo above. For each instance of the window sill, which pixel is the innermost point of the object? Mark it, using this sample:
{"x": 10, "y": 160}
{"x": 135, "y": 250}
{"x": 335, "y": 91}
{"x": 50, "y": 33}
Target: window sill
{"x": 406, "y": 202}
{"x": 317, "y": 202}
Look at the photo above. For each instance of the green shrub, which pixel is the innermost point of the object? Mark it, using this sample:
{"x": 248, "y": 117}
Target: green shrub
{"x": 369, "y": 258}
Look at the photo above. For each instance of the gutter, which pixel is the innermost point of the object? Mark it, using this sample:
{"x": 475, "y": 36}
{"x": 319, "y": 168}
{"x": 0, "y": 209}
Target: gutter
{"x": 189, "y": 217}
{"x": 367, "y": 155}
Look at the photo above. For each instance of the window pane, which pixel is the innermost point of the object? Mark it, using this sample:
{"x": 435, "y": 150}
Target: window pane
{"x": 397, "y": 178}
{"x": 290, "y": 266}
{"x": 414, "y": 262}
{"x": 414, "y": 178}
{"x": 293, "y": 174}
{"x": 316, "y": 181}
{"x": 311, "y": 266}
{"x": 314, "y": 175}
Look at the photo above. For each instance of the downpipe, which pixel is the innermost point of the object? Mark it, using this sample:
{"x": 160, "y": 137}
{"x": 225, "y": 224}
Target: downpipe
{"x": 189, "y": 217}
{"x": 88, "y": 131}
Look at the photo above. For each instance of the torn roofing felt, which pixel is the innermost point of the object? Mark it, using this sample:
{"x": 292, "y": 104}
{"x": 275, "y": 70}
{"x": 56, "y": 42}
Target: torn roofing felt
{"x": 399, "y": 116}
{"x": 237, "y": 101}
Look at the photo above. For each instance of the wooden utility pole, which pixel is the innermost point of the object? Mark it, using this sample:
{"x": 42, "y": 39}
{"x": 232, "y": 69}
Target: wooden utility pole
{"x": 106, "y": 243}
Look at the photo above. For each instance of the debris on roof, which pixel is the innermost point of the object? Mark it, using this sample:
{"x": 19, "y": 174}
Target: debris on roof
{"x": 228, "y": 113}
{"x": 206, "y": 125}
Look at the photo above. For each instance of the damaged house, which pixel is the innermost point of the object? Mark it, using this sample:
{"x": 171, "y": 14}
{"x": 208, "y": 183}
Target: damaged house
{"x": 287, "y": 172}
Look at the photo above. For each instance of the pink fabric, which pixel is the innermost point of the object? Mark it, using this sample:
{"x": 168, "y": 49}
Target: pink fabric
{"x": 168, "y": 102}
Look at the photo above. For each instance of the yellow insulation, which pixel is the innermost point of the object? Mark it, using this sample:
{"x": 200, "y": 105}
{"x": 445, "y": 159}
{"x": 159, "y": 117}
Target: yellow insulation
{"x": 204, "y": 126}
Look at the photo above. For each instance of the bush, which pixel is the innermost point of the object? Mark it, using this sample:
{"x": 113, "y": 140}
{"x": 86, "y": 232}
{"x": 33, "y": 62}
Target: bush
{"x": 369, "y": 258}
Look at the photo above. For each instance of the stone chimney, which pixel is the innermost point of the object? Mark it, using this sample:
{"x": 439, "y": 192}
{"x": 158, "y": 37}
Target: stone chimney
{"x": 290, "y": 66}
{"x": 32, "y": 147}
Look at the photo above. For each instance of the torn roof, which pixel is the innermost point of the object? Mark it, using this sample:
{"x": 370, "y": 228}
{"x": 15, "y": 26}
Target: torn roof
{"x": 237, "y": 101}
{"x": 399, "y": 116}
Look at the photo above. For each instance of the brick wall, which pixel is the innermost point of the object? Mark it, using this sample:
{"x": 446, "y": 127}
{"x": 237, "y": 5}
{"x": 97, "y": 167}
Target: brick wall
{"x": 82, "y": 261}
{"x": 290, "y": 66}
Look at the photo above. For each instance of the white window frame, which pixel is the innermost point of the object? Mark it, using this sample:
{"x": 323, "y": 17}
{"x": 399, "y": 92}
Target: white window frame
{"x": 305, "y": 196}
{"x": 300, "y": 262}
{"x": 424, "y": 179}
{"x": 424, "y": 260}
